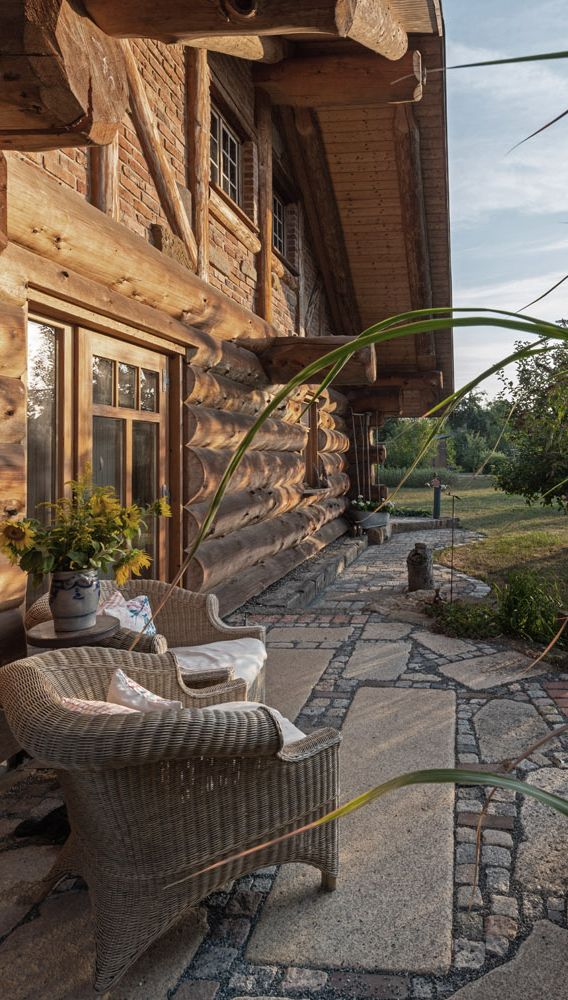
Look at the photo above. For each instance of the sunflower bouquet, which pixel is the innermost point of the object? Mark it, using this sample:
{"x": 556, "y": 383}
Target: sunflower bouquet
{"x": 89, "y": 529}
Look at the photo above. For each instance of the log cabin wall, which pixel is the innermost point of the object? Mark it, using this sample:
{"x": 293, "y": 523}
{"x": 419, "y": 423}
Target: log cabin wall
{"x": 267, "y": 525}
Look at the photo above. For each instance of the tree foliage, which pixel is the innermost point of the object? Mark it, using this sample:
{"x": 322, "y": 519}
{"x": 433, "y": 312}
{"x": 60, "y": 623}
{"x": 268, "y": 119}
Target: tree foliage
{"x": 404, "y": 437}
{"x": 537, "y": 467}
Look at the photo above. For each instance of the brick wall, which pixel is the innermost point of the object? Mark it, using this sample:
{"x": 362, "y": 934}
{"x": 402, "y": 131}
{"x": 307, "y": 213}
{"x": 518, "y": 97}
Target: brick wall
{"x": 233, "y": 265}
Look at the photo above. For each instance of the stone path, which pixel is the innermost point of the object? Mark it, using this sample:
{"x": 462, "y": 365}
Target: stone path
{"x": 405, "y": 922}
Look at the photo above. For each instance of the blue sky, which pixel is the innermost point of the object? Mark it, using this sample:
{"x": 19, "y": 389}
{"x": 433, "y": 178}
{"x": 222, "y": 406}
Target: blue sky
{"x": 509, "y": 212}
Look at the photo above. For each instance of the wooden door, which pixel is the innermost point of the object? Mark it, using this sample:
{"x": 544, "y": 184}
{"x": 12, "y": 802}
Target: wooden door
{"x": 122, "y": 427}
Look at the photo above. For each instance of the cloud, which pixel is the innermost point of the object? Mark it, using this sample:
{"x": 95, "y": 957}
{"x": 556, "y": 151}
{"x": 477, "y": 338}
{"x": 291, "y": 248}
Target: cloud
{"x": 514, "y": 293}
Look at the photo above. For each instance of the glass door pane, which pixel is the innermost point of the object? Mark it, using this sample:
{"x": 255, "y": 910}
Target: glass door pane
{"x": 108, "y": 453}
{"x": 41, "y": 417}
{"x": 145, "y": 476}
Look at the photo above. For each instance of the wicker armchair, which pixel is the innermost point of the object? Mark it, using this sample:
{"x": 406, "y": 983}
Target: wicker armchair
{"x": 155, "y": 800}
{"x": 188, "y": 619}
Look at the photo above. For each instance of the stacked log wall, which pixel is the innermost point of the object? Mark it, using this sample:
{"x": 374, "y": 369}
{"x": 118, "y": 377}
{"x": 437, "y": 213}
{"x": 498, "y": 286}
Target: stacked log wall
{"x": 266, "y": 520}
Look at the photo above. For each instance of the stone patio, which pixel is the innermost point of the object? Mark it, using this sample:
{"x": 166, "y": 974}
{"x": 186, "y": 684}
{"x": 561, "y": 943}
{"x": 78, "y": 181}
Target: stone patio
{"x": 405, "y": 922}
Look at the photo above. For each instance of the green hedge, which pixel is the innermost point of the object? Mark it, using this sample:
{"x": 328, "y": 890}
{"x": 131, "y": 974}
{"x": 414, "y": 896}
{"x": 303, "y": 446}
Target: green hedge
{"x": 392, "y": 477}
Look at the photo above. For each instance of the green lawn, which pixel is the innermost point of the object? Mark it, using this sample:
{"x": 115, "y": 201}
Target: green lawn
{"x": 518, "y": 536}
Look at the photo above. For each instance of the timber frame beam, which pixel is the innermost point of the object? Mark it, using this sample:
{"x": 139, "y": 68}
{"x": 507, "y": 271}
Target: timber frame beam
{"x": 371, "y": 23}
{"x": 284, "y": 357}
{"x": 414, "y": 224}
{"x": 311, "y": 171}
{"x": 332, "y": 79}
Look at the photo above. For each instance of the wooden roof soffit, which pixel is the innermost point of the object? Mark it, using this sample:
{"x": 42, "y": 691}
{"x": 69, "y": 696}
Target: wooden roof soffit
{"x": 369, "y": 22}
{"x": 309, "y": 164}
{"x": 414, "y": 224}
{"x": 284, "y": 357}
{"x": 63, "y": 79}
{"x": 349, "y": 79}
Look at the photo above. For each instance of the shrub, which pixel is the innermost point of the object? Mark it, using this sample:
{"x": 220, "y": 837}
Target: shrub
{"x": 526, "y": 607}
{"x": 419, "y": 477}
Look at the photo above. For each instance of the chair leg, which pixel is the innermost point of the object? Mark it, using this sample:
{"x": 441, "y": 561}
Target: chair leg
{"x": 328, "y": 882}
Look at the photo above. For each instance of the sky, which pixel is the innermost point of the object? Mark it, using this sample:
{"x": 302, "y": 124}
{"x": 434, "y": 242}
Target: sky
{"x": 509, "y": 210}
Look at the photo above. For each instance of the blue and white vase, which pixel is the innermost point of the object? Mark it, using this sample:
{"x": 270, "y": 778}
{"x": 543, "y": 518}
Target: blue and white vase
{"x": 74, "y": 598}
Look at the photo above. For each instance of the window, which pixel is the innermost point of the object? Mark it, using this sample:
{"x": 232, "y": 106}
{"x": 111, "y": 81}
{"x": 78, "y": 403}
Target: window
{"x": 278, "y": 225}
{"x": 226, "y": 157}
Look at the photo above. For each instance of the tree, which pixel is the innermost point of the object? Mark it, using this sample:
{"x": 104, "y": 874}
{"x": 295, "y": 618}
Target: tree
{"x": 537, "y": 467}
{"x": 404, "y": 437}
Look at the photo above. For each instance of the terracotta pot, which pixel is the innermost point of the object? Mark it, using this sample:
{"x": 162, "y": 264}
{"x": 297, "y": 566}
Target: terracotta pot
{"x": 74, "y": 598}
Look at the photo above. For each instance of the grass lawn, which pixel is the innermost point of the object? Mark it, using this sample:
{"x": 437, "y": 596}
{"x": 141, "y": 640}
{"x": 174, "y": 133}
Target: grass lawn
{"x": 518, "y": 536}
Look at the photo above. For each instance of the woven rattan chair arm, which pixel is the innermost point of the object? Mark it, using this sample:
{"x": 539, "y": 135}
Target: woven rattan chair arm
{"x": 65, "y": 739}
{"x": 38, "y": 612}
{"x": 123, "y": 638}
{"x": 216, "y": 694}
{"x": 189, "y": 619}
{"x": 311, "y": 745}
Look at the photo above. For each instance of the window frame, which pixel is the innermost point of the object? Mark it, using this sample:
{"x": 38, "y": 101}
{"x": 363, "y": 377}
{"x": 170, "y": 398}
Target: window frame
{"x": 279, "y": 227}
{"x": 218, "y": 174}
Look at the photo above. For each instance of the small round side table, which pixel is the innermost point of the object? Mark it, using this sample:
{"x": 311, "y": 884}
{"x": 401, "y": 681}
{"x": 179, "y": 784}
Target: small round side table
{"x": 45, "y": 636}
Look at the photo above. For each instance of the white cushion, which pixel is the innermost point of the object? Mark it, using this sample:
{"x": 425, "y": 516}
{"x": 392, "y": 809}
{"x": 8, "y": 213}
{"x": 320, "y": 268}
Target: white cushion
{"x": 290, "y": 732}
{"x": 134, "y": 614}
{"x": 244, "y": 657}
{"x": 124, "y": 691}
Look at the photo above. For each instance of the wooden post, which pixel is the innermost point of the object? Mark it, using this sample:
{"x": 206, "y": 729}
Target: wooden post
{"x": 198, "y": 113}
{"x": 103, "y": 178}
{"x": 158, "y": 163}
{"x": 3, "y": 203}
{"x": 414, "y": 224}
{"x": 264, "y": 128}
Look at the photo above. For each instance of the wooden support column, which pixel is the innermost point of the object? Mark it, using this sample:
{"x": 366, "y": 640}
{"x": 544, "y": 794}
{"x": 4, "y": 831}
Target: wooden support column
{"x": 414, "y": 224}
{"x": 198, "y": 135}
{"x": 158, "y": 163}
{"x": 309, "y": 163}
{"x": 264, "y": 130}
{"x": 13, "y": 318}
{"x": 104, "y": 178}
{"x": 3, "y": 203}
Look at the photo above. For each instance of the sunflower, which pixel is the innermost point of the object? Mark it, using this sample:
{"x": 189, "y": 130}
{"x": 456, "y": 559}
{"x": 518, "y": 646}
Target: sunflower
{"x": 139, "y": 562}
{"x": 104, "y": 506}
{"x": 17, "y": 535}
{"x": 131, "y": 517}
{"x": 161, "y": 508}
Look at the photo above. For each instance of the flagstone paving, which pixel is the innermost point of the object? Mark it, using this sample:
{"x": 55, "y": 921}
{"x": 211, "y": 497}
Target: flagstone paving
{"x": 408, "y": 921}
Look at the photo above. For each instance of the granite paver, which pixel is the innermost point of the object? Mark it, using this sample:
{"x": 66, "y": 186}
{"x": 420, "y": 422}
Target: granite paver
{"x": 395, "y": 894}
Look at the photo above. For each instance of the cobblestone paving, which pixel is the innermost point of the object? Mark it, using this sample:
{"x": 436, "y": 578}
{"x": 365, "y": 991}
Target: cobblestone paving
{"x": 489, "y": 922}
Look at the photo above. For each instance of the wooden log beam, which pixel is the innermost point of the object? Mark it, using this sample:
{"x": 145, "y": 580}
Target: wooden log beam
{"x": 159, "y": 165}
{"x": 369, "y": 22}
{"x": 253, "y": 48}
{"x": 103, "y": 178}
{"x": 254, "y": 505}
{"x": 198, "y": 141}
{"x": 343, "y": 80}
{"x": 63, "y": 79}
{"x": 253, "y": 581}
{"x": 205, "y": 467}
{"x": 332, "y": 440}
{"x": 59, "y": 225}
{"x": 414, "y": 224}
{"x": 264, "y": 134}
{"x": 385, "y": 401}
{"x": 216, "y": 555}
{"x": 209, "y": 428}
{"x": 284, "y": 357}
{"x": 309, "y": 163}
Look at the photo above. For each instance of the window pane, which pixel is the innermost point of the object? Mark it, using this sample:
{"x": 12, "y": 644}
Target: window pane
{"x": 108, "y": 453}
{"x": 214, "y": 148}
{"x": 148, "y": 390}
{"x": 103, "y": 381}
{"x": 278, "y": 225}
{"x": 145, "y": 486}
{"x": 230, "y": 162}
{"x": 127, "y": 386}
{"x": 41, "y": 417}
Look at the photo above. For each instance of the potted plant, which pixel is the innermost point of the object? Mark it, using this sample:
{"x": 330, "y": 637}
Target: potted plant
{"x": 86, "y": 532}
{"x": 370, "y": 513}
